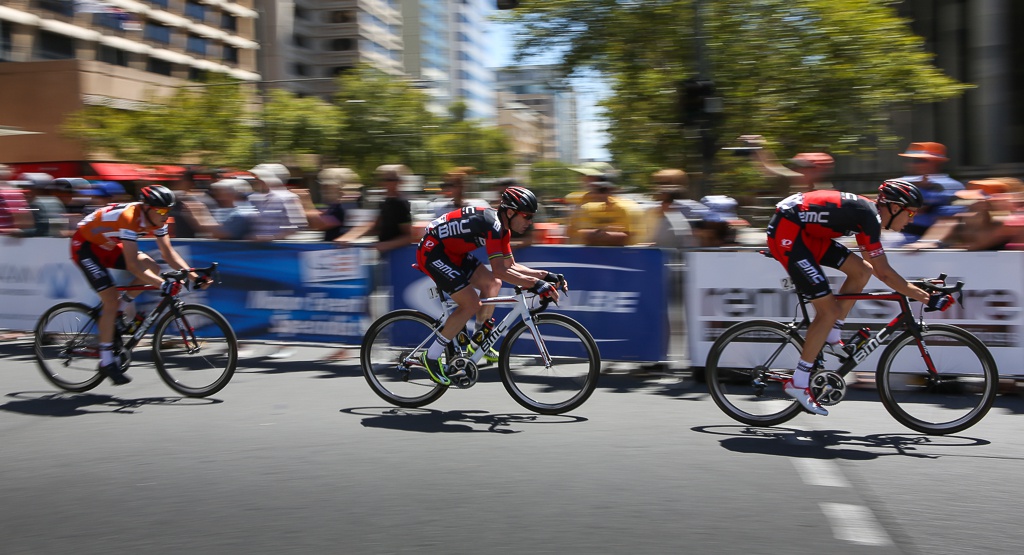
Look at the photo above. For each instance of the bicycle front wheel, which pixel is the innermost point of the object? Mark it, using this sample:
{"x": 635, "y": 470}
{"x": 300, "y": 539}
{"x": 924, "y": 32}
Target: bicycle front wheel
{"x": 745, "y": 368}
{"x": 67, "y": 347}
{"x": 195, "y": 351}
{"x": 567, "y": 382}
{"x": 390, "y": 355}
{"x": 955, "y": 398}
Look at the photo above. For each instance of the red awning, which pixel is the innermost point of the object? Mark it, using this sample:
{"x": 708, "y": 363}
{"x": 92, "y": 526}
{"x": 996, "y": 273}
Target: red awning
{"x": 111, "y": 171}
{"x": 55, "y": 169}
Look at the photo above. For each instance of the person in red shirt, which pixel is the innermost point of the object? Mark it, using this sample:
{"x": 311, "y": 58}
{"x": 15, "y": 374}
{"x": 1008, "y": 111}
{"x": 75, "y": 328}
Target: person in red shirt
{"x": 106, "y": 239}
{"x": 801, "y": 236}
{"x": 445, "y": 254}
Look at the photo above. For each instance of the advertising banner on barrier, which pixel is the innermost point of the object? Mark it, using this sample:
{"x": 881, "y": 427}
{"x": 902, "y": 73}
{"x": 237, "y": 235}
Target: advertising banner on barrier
{"x": 285, "y": 291}
{"x": 277, "y": 291}
{"x": 618, "y": 294}
{"x": 726, "y": 287}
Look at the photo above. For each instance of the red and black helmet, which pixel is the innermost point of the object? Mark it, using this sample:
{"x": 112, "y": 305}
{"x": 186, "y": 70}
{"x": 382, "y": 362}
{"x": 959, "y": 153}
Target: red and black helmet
{"x": 903, "y": 193}
{"x": 519, "y": 198}
{"x": 156, "y": 196}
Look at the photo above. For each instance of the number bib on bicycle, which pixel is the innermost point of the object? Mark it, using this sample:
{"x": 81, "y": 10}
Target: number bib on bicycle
{"x": 444, "y": 251}
{"x": 801, "y": 235}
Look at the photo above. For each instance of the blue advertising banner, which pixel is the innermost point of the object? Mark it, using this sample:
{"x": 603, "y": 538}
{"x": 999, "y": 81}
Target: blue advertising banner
{"x": 617, "y": 293}
{"x": 284, "y": 291}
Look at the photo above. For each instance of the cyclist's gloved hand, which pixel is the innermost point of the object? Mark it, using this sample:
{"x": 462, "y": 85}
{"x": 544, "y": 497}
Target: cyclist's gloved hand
{"x": 558, "y": 280}
{"x": 170, "y": 287}
{"x": 202, "y": 282}
{"x": 544, "y": 289}
{"x": 939, "y": 301}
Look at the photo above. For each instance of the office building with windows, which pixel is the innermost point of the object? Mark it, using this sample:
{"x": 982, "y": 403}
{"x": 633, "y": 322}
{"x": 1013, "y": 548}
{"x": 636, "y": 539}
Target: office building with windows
{"x": 546, "y": 91}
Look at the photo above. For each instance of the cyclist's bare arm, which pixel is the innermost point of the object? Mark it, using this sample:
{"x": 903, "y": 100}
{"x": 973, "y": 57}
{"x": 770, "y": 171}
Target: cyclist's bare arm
{"x": 172, "y": 257}
{"x": 509, "y": 271}
{"x": 887, "y": 275}
{"x": 137, "y": 269}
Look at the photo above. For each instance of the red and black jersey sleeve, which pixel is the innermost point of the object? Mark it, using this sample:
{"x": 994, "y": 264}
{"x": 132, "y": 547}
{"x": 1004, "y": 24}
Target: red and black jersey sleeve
{"x": 834, "y": 214}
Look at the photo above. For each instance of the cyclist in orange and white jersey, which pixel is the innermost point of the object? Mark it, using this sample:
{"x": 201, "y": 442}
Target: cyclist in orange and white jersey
{"x": 107, "y": 238}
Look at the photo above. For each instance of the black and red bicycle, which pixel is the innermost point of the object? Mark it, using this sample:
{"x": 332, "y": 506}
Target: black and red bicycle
{"x": 933, "y": 378}
{"x": 193, "y": 346}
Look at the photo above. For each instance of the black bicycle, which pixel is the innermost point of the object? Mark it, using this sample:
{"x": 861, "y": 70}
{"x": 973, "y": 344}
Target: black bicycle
{"x": 194, "y": 348}
{"x": 932, "y": 378}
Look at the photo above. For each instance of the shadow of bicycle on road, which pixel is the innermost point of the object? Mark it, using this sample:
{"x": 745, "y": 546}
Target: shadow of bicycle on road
{"x": 38, "y": 403}
{"x": 456, "y": 421}
{"x": 834, "y": 444}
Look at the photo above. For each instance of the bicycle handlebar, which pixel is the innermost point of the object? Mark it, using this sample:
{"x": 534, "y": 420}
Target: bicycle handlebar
{"x": 938, "y": 285}
{"x": 182, "y": 275}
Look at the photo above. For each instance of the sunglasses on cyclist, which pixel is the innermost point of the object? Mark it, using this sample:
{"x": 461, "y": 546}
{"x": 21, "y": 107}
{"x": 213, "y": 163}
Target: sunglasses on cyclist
{"x": 528, "y": 216}
{"x": 161, "y": 211}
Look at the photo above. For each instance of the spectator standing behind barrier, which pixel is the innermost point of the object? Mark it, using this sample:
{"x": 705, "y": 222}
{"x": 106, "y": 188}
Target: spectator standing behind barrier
{"x": 924, "y": 164}
{"x": 453, "y": 191}
{"x": 186, "y": 225}
{"x": 990, "y": 218}
{"x": 339, "y": 189}
{"x": 604, "y": 220}
{"x": 280, "y": 211}
{"x": 807, "y": 171}
{"x": 393, "y": 225}
{"x": 670, "y": 219}
{"x": 233, "y": 217}
{"x": 15, "y": 216}
{"x": 720, "y": 224}
{"x": 48, "y": 213}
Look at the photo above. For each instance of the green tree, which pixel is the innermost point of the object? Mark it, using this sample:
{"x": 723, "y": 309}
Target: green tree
{"x": 806, "y": 74}
{"x": 294, "y": 126}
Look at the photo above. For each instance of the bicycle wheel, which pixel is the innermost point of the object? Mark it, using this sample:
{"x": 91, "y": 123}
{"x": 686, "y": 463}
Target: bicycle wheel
{"x": 956, "y": 398}
{"x": 390, "y": 354}
{"x": 572, "y": 376}
{"x": 745, "y": 368}
{"x": 195, "y": 351}
{"x": 67, "y": 347}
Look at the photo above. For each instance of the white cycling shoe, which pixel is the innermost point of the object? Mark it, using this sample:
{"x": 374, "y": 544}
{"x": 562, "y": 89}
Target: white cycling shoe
{"x": 804, "y": 397}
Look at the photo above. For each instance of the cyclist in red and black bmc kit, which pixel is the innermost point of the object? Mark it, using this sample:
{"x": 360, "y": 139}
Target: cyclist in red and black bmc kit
{"x": 106, "y": 239}
{"x": 801, "y": 236}
{"x": 444, "y": 254}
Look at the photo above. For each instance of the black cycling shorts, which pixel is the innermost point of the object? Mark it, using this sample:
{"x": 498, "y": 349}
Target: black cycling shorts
{"x": 803, "y": 255}
{"x": 93, "y": 266}
{"x": 451, "y": 276}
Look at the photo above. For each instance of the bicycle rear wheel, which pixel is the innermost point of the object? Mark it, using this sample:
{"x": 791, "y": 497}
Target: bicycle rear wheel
{"x": 572, "y": 376}
{"x": 390, "y": 355}
{"x": 956, "y": 398}
{"x": 67, "y": 347}
{"x": 744, "y": 371}
{"x": 195, "y": 351}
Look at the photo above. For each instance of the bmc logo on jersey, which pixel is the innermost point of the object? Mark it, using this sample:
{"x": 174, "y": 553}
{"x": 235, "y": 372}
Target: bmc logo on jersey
{"x": 787, "y": 242}
{"x": 814, "y": 217}
{"x": 448, "y": 229}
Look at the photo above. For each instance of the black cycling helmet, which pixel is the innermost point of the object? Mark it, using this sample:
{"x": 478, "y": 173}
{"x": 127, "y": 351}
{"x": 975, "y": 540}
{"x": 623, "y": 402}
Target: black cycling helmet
{"x": 519, "y": 198}
{"x": 157, "y": 196}
{"x": 903, "y": 193}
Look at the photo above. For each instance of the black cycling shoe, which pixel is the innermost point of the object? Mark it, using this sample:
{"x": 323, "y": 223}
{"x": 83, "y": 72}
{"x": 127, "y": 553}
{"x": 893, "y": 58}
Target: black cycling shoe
{"x": 114, "y": 372}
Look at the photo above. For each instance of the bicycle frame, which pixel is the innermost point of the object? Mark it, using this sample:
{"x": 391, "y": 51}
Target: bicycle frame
{"x": 903, "y": 321}
{"x": 520, "y": 311}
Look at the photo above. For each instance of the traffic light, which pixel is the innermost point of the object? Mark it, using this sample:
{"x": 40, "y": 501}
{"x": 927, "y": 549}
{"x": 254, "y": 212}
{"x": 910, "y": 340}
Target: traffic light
{"x": 508, "y": 4}
{"x": 696, "y": 100}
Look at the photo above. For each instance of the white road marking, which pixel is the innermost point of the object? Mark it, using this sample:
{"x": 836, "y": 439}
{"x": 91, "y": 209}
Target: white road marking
{"x": 855, "y": 524}
{"x": 820, "y": 472}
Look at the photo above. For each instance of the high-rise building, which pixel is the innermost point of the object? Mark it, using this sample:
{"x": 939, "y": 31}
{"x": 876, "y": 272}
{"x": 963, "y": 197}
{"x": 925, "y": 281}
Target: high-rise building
{"x": 427, "y": 38}
{"x": 546, "y": 91}
{"x": 65, "y": 54}
{"x": 471, "y": 51}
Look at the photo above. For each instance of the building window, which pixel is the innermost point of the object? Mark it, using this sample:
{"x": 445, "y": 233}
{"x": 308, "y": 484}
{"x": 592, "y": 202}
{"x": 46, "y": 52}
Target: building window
{"x": 342, "y": 16}
{"x": 63, "y": 7}
{"x": 230, "y": 54}
{"x": 195, "y": 10}
{"x": 196, "y": 74}
{"x": 55, "y": 47}
{"x": 5, "y": 43}
{"x": 300, "y": 41}
{"x": 301, "y": 70}
{"x": 156, "y": 65}
{"x": 161, "y": 3}
{"x": 228, "y": 22}
{"x": 157, "y": 33}
{"x": 108, "y": 20}
{"x": 301, "y": 13}
{"x": 112, "y": 56}
{"x": 340, "y": 45}
{"x": 195, "y": 44}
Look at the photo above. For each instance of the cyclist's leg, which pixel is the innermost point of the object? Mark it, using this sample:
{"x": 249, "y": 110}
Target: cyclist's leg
{"x": 858, "y": 273}
{"x": 483, "y": 279}
{"x": 94, "y": 265}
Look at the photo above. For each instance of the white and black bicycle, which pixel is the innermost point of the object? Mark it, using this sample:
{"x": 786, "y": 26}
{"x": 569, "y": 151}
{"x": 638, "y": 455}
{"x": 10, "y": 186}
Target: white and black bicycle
{"x": 548, "y": 362}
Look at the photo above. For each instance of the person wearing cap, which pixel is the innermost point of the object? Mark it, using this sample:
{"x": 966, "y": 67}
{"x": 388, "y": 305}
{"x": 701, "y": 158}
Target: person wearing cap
{"x": 604, "y": 220}
{"x": 672, "y": 219}
{"x": 393, "y": 225}
{"x": 280, "y": 211}
{"x": 988, "y": 220}
{"x": 924, "y": 162}
{"x": 807, "y": 171}
{"x": 339, "y": 189}
{"x": 15, "y": 216}
{"x": 720, "y": 222}
{"x": 591, "y": 173}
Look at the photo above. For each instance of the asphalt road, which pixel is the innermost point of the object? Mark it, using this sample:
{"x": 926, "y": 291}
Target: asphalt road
{"x": 297, "y": 455}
